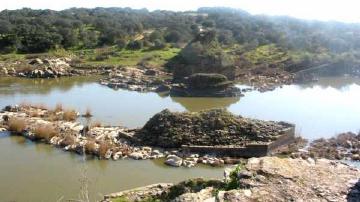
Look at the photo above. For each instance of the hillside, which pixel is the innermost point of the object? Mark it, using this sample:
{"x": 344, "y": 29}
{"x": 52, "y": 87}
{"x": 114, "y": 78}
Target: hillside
{"x": 114, "y": 35}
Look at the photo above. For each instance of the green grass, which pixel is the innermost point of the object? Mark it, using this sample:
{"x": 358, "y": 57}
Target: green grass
{"x": 11, "y": 57}
{"x": 153, "y": 58}
{"x": 266, "y": 54}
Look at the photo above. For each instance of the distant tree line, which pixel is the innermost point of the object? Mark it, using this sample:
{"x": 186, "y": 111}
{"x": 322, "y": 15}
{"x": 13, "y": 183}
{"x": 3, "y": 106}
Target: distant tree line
{"x": 32, "y": 31}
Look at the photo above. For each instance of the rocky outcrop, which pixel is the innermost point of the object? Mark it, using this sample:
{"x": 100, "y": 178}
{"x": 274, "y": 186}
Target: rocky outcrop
{"x": 344, "y": 146}
{"x": 210, "y": 128}
{"x": 265, "y": 79}
{"x": 205, "y": 85}
{"x": 135, "y": 79}
{"x": 272, "y": 179}
{"x": 286, "y": 179}
{"x": 140, "y": 194}
{"x": 47, "y": 68}
{"x": 203, "y": 55}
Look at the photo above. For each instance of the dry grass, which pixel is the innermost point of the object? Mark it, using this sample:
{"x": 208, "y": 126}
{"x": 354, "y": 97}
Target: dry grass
{"x": 58, "y": 107}
{"x": 95, "y": 124}
{"x": 34, "y": 114}
{"x": 104, "y": 147}
{"x": 90, "y": 147}
{"x": 68, "y": 140}
{"x": 45, "y": 132}
{"x": 88, "y": 113}
{"x": 17, "y": 125}
{"x": 28, "y": 105}
{"x": 69, "y": 115}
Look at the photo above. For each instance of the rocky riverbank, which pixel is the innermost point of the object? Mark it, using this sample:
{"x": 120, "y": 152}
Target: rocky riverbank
{"x": 143, "y": 79}
{"x": 60, "y": 128}
{"x": 344, "y": 146}
{"x": 265, "y": 79}
{"x": 135, "y": 79}
{"x": 44, "y": 68}
{"x": 261, "y": 179}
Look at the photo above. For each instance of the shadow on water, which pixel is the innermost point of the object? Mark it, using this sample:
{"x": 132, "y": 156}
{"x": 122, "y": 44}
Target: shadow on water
{"x": 354, "y": 193}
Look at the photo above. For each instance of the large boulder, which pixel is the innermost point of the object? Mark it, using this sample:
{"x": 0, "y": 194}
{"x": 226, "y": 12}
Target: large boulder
{"x": 173, "y": 160}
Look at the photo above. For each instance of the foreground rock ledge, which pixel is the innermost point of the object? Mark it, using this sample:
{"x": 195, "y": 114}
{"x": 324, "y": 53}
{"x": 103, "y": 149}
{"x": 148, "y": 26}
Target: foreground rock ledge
{"x": 262, "y": 179}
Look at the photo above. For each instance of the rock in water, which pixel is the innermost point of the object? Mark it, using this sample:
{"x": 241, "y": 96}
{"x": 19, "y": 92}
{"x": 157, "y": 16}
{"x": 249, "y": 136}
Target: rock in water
{"x": 136, "y": 155}
{"x": 173, "y": 160}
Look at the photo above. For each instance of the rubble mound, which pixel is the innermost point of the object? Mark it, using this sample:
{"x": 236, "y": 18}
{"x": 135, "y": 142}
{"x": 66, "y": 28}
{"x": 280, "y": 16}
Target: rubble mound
{"x": 216, "y": 127}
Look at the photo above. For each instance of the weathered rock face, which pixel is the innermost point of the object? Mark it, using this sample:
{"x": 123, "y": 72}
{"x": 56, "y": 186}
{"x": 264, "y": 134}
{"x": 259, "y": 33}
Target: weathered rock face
{"x": 205, "y": 85}
{"x": 211, "y": 128}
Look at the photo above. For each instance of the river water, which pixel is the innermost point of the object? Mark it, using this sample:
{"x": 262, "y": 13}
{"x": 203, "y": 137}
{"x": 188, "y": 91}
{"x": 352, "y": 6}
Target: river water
{"x": 38, "y": 172}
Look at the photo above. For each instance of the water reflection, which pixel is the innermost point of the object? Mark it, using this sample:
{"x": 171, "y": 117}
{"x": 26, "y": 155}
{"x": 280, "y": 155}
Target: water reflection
{"x": 12, "y": 86}
{"x": 198, "y": 104}
{"x": 333, "y": 82}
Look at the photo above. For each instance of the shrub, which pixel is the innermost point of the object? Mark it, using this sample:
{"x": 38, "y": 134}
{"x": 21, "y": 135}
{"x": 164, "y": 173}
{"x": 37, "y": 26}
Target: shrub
{"x": 121, "y": 44}
{"x": 87, "y": 113}
{"x": 135, "y": 45}
{"x": 104, "y": 147}
{"x": 58, "y": 107}
{"x": 45, "y": 132}
{"x": 68, "y": 140}
{"x": 17, "y": 125}
{"x": 95, "y": 124}
{"x": 90, "y": 147}
{"x": 69, "y": 115}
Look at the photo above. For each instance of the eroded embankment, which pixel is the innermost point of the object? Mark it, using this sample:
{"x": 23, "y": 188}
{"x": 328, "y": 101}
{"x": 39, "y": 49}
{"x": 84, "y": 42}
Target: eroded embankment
{"x": 162, "y": 137}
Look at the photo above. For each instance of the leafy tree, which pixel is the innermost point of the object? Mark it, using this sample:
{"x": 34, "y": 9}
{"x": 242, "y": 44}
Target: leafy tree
{"x": 173, "y": 37}
{"x": 135, "y": 45}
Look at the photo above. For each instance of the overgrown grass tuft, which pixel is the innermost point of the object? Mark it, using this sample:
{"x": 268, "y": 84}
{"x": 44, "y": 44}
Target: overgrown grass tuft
{"x": 17, "y": 125}
{"x": 91, "y": 147}
{"x": 104, "y": 147}
{"x": 69, "y": 115}
{"x": 45, "y": 132}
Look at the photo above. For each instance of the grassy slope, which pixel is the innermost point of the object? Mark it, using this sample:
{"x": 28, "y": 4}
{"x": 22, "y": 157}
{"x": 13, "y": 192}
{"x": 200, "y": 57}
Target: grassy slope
{"x": 152, "y": 58}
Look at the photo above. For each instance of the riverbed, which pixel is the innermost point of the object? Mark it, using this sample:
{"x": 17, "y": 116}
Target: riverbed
{"x": 38, "y": 172}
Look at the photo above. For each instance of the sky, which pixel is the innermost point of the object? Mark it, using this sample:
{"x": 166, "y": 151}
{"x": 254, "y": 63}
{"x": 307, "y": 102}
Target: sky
{"x": 338, "y": 10}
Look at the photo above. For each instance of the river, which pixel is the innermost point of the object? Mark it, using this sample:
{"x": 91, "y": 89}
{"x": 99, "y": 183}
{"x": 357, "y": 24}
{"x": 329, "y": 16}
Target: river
{"x": 38, "y": 172}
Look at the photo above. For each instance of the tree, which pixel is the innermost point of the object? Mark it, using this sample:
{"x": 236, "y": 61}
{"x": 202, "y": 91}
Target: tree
{"x": 135, "y": 45}
{"x": 173, "y": 37}
{"x": 121, "y": 44}
{"x": 155, "y": 35}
